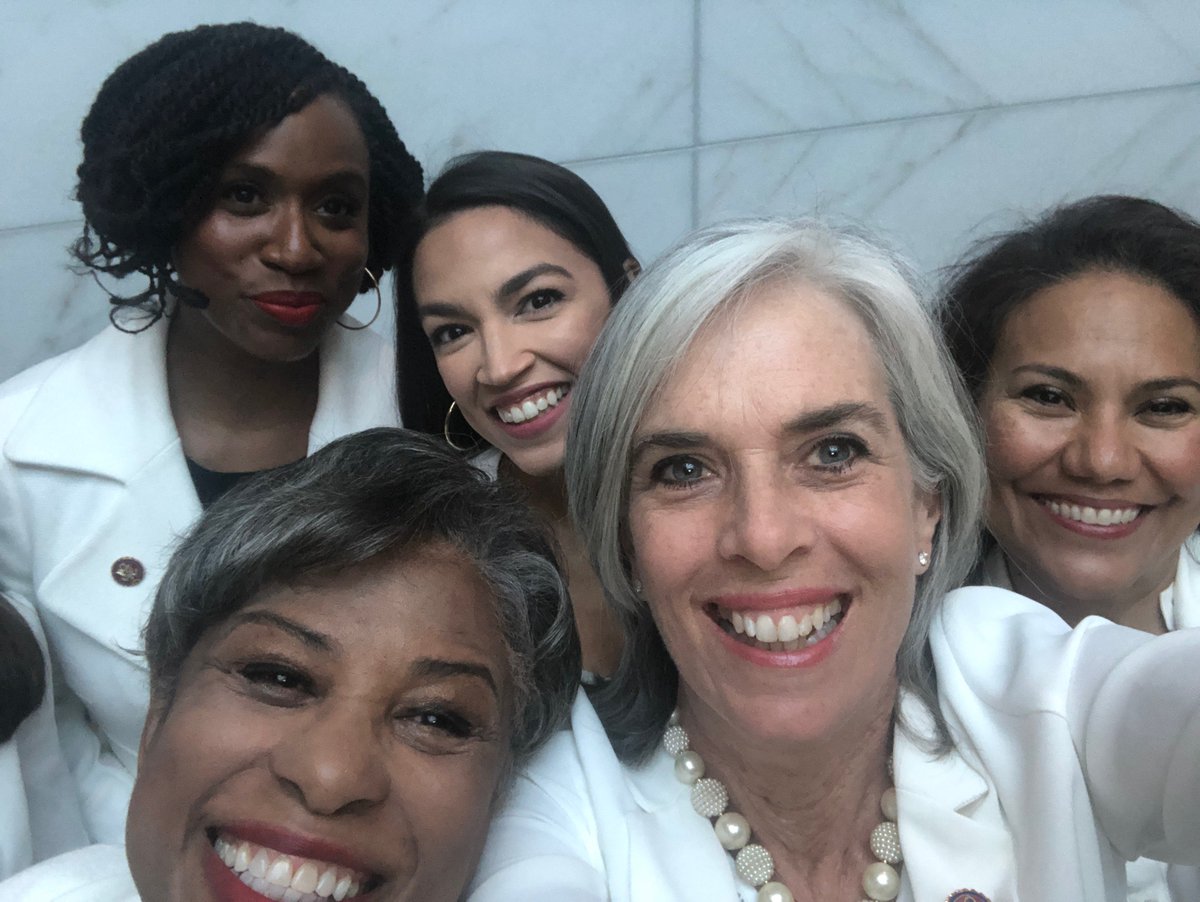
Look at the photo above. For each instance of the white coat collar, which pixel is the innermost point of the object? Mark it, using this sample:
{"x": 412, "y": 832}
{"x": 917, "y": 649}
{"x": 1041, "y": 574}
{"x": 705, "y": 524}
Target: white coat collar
{"x": 104, "y": 409}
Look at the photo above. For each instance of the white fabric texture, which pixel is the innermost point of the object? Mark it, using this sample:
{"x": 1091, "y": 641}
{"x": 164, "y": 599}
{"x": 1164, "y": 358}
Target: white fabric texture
{"x": 1148, "y": 880}
{"x": 1076, "y": 749}
{"x": 97, "y": 873}
{"x": 92, "y": 470}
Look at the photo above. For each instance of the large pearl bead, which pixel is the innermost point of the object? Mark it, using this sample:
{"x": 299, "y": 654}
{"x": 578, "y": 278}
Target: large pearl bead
{"x": 774, "y": 892}
{"x": 689, "y": 767}
{"x": 732, "y": 830}
{"x": 887, "y": 803}
{"x": 881, "y": 882}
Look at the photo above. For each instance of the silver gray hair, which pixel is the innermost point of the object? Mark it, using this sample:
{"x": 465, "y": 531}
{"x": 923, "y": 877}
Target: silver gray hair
{"x": 648, "y": 333}
{"x": 365, "y": 497}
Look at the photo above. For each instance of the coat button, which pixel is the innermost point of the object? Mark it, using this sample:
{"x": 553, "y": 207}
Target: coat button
{"x": 128, "y": 571}
{"x": 967, "y": 895}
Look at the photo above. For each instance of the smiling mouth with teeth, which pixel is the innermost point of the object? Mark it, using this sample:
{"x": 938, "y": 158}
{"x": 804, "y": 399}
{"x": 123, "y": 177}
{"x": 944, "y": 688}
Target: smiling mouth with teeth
{"x": 290, "y": 878}
{"x": 782, "y": 630}
{"x": 1092, "y": 516}
{"x": 532, "y": 408}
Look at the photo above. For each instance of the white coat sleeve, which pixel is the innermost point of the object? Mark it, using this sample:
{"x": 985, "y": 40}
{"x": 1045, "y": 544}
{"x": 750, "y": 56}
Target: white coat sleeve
{"x": 1134, "y": 709}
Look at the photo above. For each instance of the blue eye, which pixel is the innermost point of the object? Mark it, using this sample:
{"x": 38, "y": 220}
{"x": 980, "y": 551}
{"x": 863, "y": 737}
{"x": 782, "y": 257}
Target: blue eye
{"x": 679, "y": 470}
{"x": 838, "y": 453}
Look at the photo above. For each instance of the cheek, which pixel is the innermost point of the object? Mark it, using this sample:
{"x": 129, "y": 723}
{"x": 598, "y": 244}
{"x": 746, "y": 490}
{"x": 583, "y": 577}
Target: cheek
{"x": 448, "y": 800}
{"x": 1018, "y": 444}
{"x": 457, "y": 371}
{"x": 1177, "y": 461}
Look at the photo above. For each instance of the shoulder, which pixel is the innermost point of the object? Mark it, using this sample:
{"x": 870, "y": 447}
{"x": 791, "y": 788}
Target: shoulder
{"x": 97, "y": 873}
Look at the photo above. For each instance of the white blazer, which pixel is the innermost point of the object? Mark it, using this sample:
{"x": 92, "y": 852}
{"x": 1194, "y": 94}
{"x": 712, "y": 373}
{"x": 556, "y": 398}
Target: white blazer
{"x": 1076, "y": 750}
{"x": 97, "y": 873}
{"x": 91, "y": 473}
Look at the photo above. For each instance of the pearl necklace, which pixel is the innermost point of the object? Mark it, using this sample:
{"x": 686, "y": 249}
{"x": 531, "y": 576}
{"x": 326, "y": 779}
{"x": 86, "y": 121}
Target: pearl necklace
{"x": 710, "y": 798}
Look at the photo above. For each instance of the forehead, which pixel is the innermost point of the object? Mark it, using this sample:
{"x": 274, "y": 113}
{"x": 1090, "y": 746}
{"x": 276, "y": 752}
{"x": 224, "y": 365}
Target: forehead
{"x": 429, "y": 601}
{"x": 785, "y": 348}
{"x": 489, "y": 243}
{"x": 324, "y": 135}
{"x": 1112, "y": 316}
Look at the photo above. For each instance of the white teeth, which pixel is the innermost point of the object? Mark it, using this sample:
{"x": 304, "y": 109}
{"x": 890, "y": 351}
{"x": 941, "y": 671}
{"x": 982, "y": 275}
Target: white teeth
{"x": 305, "y": 878}
{"x": 327, "y": 883}
{"x": 788, "y": 629}
{"x": 280, "y": 873}
{"x": 1094, "y": 516}
{"x": 259, "y": 864}
{"x": 786, "y": 632}
{"x": 765, "y": 630}
{"x": 531, "y": 407}
{"x": 286, "y": 878}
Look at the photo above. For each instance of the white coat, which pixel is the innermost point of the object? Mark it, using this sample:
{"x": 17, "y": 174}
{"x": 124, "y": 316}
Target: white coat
{"x": 1076, "y": 750}
{"x": 97, "y": 873}
{"x": 1179, "y": 604}
{"x": 92, "y": 472}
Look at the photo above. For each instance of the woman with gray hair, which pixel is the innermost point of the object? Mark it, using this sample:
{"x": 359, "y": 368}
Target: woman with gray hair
{"x": 774, "y": 469}
{"x": 348, "y": 656}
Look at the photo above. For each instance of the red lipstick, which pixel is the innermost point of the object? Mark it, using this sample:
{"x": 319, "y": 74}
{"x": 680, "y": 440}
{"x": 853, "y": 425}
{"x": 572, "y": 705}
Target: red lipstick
{"x": 291, "y": 308}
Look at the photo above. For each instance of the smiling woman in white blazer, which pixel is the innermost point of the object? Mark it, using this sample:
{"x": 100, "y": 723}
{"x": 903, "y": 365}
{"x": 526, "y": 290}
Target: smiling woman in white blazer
{"x": 257, "y": 208}
{"x": 774, "y": 469}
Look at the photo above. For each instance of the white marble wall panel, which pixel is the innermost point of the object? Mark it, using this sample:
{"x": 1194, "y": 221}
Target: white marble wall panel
{"x": 935, "y": 183}
{"x": 649, "y": 196}
{"x": 568, "y": 81}
{"x": 46, "y": 307}
{"x": 776, "y": 66}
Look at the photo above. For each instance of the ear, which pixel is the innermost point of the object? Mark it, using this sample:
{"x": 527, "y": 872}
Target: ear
{"x": 632, "y": 268}
{"x": 927, "y": 514}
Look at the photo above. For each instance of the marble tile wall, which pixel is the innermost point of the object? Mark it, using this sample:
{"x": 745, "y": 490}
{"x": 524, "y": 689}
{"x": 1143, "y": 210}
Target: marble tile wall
{"x": 934, "y": 120}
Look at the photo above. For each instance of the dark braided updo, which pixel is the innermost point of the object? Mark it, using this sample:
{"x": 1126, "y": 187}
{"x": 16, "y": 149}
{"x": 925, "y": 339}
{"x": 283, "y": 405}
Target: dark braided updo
{"x": 170, "y": 117}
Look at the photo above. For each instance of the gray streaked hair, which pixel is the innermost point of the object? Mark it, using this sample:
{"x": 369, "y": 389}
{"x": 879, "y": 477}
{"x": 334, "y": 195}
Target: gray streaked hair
{"x": 712, "y": 272}
{"x": 379, "y": 493}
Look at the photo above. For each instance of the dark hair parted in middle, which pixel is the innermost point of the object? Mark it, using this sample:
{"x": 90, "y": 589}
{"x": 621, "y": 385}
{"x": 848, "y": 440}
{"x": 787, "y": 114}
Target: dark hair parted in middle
{"x": 170, "y": 117}
{"x": 1108, "y": 233}
{"x": 382, "y": 492}
{"x": 551, "y": 195}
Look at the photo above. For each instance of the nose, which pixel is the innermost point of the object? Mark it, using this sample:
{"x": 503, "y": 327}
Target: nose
{"x": 1102, "y": 449}
{"x": 766, "y": 522}
{"x": 505, "y": 357}
{"x": 337, "y": 765}
{"x": 289, "y": 244}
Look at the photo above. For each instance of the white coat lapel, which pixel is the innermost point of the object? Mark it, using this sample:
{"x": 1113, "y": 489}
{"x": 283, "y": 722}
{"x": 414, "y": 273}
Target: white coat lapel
{"x": 357, "y": 388}
{"x": 104, "y": 410}
{"x": 952, "y": 831}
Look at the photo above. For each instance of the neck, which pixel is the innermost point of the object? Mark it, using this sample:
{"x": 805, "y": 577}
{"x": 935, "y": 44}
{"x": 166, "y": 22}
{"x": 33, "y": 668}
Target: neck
{"x": 547, "y": 494}
{"x": 236, "y": 412}
{"x": 1139, "y": 610}
{"x": 812, "y": 804}
{"x": 600, "y": 634}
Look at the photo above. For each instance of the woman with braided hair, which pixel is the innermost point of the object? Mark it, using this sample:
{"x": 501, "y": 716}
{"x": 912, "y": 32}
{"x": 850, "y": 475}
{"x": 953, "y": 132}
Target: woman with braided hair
{"x": 257, "y": 187}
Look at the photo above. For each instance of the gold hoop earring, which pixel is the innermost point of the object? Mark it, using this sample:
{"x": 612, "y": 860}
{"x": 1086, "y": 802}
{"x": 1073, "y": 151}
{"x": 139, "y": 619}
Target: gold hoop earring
{"x": 378, "y": 306}
{"x": 446, "y": 431}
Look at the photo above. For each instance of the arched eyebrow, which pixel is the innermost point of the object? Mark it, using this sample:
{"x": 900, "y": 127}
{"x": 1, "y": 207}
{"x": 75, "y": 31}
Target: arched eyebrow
{"x": 1054, "y": 372}
{"x": 441, "y": 667}
{"x": 831, "y": 416}
{"x": 509, "y": 287}
{"x": 513, "y": 284}
{"x": 311, "y": 638}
